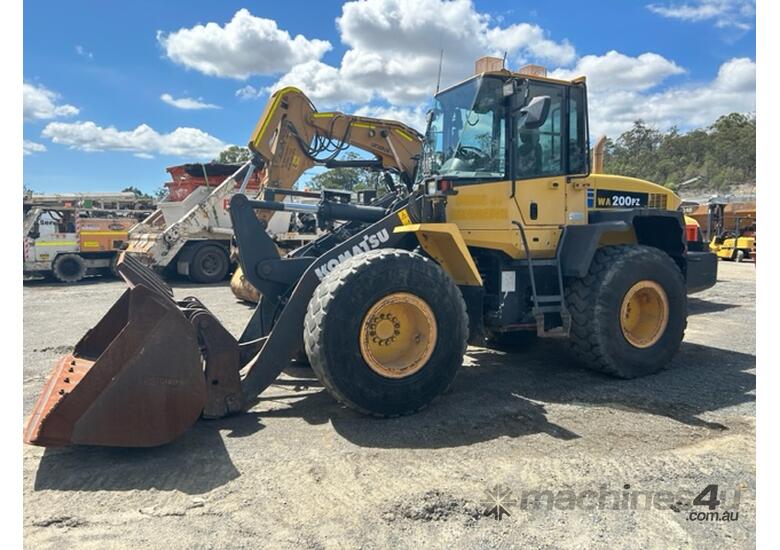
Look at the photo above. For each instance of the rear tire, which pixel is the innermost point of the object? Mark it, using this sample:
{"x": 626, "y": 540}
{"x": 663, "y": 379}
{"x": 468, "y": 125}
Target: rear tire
{"x": 391, "y": 302}
{"x": 209, "y": 264}
{"x": 740, "y": 256}
{"x": 600, "y": 337}
{"x": 69, "y": 268}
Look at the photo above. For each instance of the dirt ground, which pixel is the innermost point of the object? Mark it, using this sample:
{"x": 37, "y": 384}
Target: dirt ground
{"x": 298, "y": 470}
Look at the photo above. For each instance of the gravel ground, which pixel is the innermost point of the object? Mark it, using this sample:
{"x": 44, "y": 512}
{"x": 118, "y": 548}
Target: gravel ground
{"x": 298, "y": 470}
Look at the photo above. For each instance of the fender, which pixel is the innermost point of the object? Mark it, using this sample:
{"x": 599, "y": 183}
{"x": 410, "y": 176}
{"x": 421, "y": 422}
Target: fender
{"x": 663, "y": 229}
{"x": 445, "y": 244}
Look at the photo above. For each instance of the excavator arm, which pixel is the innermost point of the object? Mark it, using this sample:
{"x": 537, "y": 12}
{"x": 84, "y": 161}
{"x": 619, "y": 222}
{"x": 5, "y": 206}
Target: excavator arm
{"x": 292, "y": 136}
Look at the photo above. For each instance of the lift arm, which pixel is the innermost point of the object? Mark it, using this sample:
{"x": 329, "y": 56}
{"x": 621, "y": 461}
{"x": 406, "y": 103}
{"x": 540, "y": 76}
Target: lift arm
{"x": 292, "y": 136}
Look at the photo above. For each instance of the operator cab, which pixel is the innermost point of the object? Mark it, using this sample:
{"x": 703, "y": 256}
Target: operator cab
{"x": 501, "y": 125}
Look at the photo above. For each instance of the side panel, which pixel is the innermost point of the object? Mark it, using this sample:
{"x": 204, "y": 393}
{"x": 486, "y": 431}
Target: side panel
{"x": 484, "y": 212}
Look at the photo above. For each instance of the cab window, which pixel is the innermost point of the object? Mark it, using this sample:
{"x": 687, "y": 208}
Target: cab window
{"x": 540, "y": 151}
{"x": 578, "y": 138}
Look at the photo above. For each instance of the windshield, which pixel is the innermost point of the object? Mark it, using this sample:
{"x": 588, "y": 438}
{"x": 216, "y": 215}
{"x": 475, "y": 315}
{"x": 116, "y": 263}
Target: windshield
{"x": 466, "y": 132}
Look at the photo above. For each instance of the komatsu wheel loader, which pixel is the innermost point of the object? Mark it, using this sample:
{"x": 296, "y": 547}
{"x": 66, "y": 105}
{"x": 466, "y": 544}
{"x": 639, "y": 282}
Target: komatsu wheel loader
{"x": 492, "y": 235}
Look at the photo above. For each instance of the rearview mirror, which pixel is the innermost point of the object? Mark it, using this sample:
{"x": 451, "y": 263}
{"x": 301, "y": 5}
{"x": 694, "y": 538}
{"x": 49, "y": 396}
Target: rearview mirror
{"x": 536, "y": 112}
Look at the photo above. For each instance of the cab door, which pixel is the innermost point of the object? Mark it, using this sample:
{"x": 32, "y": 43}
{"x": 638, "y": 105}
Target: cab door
{"x": 539, "y": 162}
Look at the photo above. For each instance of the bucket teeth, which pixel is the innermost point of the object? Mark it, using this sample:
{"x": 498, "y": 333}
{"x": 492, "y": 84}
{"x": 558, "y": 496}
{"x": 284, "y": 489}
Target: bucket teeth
{"x": 143, "y": 375}
{"x": 134, "y": 380}
{"x": 45, "y": 427}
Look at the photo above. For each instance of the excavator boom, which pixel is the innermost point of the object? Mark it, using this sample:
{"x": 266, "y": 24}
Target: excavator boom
{"x": 292, "y": 136}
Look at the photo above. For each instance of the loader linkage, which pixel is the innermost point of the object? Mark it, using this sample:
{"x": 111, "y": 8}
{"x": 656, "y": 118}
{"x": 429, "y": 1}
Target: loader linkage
{"x": 153, "y": 364}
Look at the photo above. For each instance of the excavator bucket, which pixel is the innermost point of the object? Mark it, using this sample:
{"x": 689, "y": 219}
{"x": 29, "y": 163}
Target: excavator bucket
{"x": 242, "y": 288}
{"x": 136, "y": 379}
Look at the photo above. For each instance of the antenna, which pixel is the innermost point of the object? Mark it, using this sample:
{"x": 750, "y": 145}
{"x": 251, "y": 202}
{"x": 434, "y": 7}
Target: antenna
{"x": 438, "y": 78}
{"x": 503, "y": 61}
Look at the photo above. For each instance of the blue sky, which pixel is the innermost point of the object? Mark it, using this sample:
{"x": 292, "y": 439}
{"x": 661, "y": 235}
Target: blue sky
{"x": 95, "y": 72}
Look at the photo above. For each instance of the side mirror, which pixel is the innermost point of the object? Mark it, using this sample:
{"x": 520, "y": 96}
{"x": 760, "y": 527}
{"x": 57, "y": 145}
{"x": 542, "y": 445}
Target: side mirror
{"x": 536, "y": 112}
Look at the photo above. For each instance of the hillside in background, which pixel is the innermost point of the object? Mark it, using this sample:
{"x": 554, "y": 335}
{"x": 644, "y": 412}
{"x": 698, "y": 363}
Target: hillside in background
{"x": 722, "y": 156}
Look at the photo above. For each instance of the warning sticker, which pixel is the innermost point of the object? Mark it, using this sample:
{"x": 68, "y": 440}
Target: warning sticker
{"x": 403, "y": 215}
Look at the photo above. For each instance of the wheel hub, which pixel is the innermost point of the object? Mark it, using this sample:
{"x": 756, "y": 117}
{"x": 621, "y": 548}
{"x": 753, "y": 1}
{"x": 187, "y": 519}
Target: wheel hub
{"x": 644, "y": 314}
{"x": 210, "y": 264}
{"x": 398, "y": 335}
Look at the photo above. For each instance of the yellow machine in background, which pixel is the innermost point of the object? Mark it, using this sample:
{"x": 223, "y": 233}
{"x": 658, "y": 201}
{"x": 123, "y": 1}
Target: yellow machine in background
{"x": 735, "y": 249}
{"x": 732, "y": 231}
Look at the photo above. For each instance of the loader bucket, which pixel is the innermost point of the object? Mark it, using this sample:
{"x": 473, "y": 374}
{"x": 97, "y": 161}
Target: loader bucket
{"x": 134, "y": 380}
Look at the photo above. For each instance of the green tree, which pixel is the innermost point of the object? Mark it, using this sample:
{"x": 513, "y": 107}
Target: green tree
{"x": 349, "y": 179}
{"x": 234, "y": 155}
{"x": 722, "y": 155}
{"x": 137, "y": 192}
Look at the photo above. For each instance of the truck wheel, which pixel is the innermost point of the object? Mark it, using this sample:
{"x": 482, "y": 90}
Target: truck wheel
{"x": 740, "y": 256}
{"x": 209, "y": 264}
{"x": 629, "y": 313}
{"x": 69, "y": 268}
{"x": 386, "y": 332}
{"x": 112, "y": 271}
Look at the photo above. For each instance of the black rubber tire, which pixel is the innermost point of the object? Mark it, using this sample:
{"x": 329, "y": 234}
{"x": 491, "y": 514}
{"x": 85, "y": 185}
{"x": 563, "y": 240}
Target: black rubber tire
{"x": 595, "y": 300}
{"x": 336, "y": 311}
{"x": 111, "y": 271}
{"x": 209, "y": 264}
{"x": 518, "y": 340}
{"x": 69, "y": 268}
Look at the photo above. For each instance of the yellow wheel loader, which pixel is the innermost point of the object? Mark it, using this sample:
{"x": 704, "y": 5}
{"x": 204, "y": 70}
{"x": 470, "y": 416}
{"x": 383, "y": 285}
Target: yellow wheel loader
{"x": 492, "y": 235}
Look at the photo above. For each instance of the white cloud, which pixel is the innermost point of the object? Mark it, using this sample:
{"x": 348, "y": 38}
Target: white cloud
{"x": 249, "y": 92}
{"x": 616, "y": 71}
{"x": 187, "y": 103}
{"x": 245, "y": 46}
{"x": 733, "y": 90}
{"x": 725, "y": 13}
{"x": 143, "y": 155}
{"x": 394, "y": 47}
{"x": 322, "y": 83}
{"x": 88, "y": 136}
{"x": 83, "y": 52}
{"x": 31, "y": 147}
{"x": 40, "y": 103}
{"x": 532, "y": 39}
{"x": 411, "y": 116}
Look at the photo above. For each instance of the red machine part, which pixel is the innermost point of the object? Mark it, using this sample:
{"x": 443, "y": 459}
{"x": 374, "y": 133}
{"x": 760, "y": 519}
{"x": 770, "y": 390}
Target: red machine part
{"x": 185, "y": 178}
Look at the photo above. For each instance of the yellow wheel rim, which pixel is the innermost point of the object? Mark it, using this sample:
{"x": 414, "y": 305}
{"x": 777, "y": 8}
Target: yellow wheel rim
{"x": 397, "y": 335}
{"x": 644, "y": 314}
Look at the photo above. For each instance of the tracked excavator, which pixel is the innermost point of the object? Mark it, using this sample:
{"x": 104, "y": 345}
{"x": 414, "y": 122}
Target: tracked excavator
{"x": 493, "y": 234}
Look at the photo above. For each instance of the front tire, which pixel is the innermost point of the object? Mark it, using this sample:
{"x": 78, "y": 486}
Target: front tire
{"x": 386, "y": 332}
{"x": 629, "y": 313}
{"x": 69, "y": 268}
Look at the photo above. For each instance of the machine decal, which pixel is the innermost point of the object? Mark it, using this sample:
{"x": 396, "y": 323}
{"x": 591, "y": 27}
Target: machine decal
{"x": 591, "y": 196}
{"x": 608, "y": 198}
{"x": 369, "y": 242}
{"x": 403, "y": 215}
